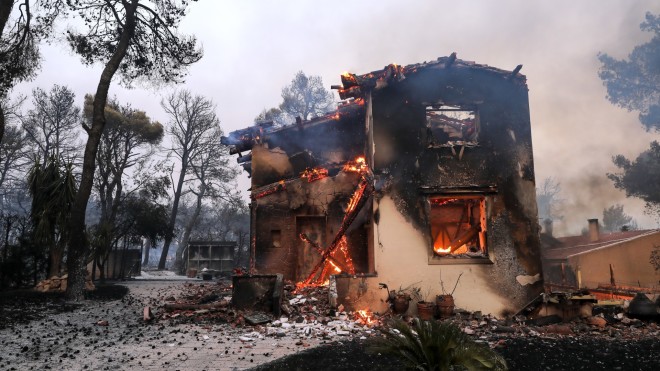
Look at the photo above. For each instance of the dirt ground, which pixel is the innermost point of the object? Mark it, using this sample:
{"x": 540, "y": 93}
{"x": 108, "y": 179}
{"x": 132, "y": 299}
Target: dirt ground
{"x": 41, "y": 331}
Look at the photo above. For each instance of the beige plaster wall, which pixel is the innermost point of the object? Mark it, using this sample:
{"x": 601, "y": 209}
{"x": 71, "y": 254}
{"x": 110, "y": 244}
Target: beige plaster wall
{"x": 630, "y": 263}
{"x": 401, "y": 259}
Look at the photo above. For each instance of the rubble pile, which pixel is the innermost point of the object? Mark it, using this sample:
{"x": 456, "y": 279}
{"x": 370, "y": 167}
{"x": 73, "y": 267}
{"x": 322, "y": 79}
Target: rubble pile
{"x": 494, "y": 331}
{"x": 306, "y": 313}
{"x": 198, "y": 302}
{"x": 307, "y": 316}
{"x": 59, "y": 284}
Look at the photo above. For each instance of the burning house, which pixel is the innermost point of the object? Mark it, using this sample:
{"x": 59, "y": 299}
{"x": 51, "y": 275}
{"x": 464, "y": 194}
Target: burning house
{"x": 423, "y": 176}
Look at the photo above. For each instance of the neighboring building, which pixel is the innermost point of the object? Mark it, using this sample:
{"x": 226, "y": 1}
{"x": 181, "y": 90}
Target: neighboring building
{"x": 423, "y": 175}
{"x": 217, "y": 256}
{"x": 602, "y": 260}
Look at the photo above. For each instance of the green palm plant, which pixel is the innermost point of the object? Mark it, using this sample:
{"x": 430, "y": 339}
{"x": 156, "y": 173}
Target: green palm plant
{"x": 53, "y": 187}
{"x": 434, "y": 345}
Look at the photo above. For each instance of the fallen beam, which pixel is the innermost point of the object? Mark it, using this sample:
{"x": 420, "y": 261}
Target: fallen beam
{"x": 319, "y": 249}
{"x": 355, "y": 205}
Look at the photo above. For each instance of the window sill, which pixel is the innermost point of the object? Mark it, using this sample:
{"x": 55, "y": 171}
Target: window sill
{"x": 436, "y": 260}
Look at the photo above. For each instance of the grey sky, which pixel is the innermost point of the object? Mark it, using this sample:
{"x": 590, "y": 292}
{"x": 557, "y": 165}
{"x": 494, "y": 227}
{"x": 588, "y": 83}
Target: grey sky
{"x": 253, "y": 48}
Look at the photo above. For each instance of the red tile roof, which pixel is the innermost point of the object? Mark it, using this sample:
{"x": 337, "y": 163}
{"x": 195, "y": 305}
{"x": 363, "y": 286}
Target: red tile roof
{"x": 572, "y": 245}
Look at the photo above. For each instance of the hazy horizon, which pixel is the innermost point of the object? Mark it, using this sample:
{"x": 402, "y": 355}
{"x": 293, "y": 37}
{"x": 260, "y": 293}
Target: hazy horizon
{"x": 253, "y": 49}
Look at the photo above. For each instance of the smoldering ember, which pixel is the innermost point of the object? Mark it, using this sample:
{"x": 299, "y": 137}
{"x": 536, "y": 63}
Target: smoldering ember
{"x": 414, "y": 199}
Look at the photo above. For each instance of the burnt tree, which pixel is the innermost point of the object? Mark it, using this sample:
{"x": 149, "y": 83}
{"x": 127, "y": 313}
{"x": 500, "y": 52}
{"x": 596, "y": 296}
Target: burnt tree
{"x": 193, "y": 127}
{"x": 212, "y": 179}
{"x": 138, "y": 39}
{"x": 127, "y": 142}
{"x": 19, "y": 38}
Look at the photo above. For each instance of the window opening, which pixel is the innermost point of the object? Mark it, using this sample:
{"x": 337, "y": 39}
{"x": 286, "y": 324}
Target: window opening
{"x": 458, "y": 226}
{"x": 450, "y": 126}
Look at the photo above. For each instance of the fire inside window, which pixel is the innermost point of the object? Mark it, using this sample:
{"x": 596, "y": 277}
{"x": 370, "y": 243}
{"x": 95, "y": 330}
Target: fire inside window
{"x": 450, "y": 126}
{"x": 458, "y": 225}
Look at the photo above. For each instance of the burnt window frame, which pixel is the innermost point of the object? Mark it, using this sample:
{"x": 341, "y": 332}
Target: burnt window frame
{"x": 451, "y": 107}
{"x": 488, "y": 194}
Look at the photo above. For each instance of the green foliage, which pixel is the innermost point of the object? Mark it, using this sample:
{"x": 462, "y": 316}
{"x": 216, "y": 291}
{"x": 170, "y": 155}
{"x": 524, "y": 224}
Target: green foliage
{"x": 641, "y": 177}
{"x": 615, "y": 219}
{"x": 434, "y": 345}
{"x": 24, "y": 263}
{"x": 634, "y": 84}
{"x": 156, "y": 52}
{"x": 53, "y": 189}
{"x": 53, "y": 125}
{"x": 21, "y": 30}
{"x": 274, "y": 114}
{"x": 132, "y": 125}
{"x": 306, "y": 97}
{"x": 148, "y": 218}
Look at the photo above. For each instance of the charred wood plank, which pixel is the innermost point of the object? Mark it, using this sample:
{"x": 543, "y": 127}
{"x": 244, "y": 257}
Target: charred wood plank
{"x": 242, "y": 146}
{"x": 245, "y": 158}
{"x": 515, "y": 71}
{"x": 319, "y": 249}
{"x": 364, "y": 190}
{"x": 450, "y": 60}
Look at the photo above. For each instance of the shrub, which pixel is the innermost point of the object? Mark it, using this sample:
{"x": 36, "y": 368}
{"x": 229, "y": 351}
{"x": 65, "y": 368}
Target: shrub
{"x": 434, "y": 345}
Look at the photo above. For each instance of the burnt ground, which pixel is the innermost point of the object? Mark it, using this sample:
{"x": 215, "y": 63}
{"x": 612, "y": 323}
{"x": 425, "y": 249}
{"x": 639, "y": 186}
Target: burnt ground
{"x": 42, "y": 331}
{"x": 520, "y": 354}
{"x": 23, "y": 306}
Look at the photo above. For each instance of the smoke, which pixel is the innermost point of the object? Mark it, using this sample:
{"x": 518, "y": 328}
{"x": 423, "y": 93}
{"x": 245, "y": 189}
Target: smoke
{"x": 253, "y": 49}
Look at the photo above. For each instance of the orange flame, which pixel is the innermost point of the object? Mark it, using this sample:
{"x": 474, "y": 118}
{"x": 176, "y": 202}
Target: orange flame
{"x": 314, "y": 174}
{"x": 343, "y": 247}
{"x": 442, "y": 250}
{"x": 302, "y": 285}
{"x": 281, "y": 185}
{"x": 355, "y": 199}
{"x": 366, "y": 316}
{"x": 359, "y": 165}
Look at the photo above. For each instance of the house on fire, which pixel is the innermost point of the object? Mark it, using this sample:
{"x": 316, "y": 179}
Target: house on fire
{"x": 423, "y": 176}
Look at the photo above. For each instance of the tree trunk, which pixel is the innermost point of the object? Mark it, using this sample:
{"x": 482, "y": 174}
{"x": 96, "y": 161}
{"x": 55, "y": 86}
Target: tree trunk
{"x": 5, "y": 10}
{"x": 121, "y": 260}
{"x": 175, "y": 209}
{"x": 179, "y": 263}
{"x": 6, "y": 7}
{"x": 95, "y": 262}
{"x": 55, "y": 257}
{"x": 147, "y": 248}
{"x": 115, "y": 253}
{"x": 2, "y": 123}
{"x": 77, "y": 256}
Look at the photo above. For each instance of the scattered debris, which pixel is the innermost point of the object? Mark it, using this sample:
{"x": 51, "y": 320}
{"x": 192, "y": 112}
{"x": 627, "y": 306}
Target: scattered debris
{"x": 147, "y": 315}
{"x": 59, "y": 284}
